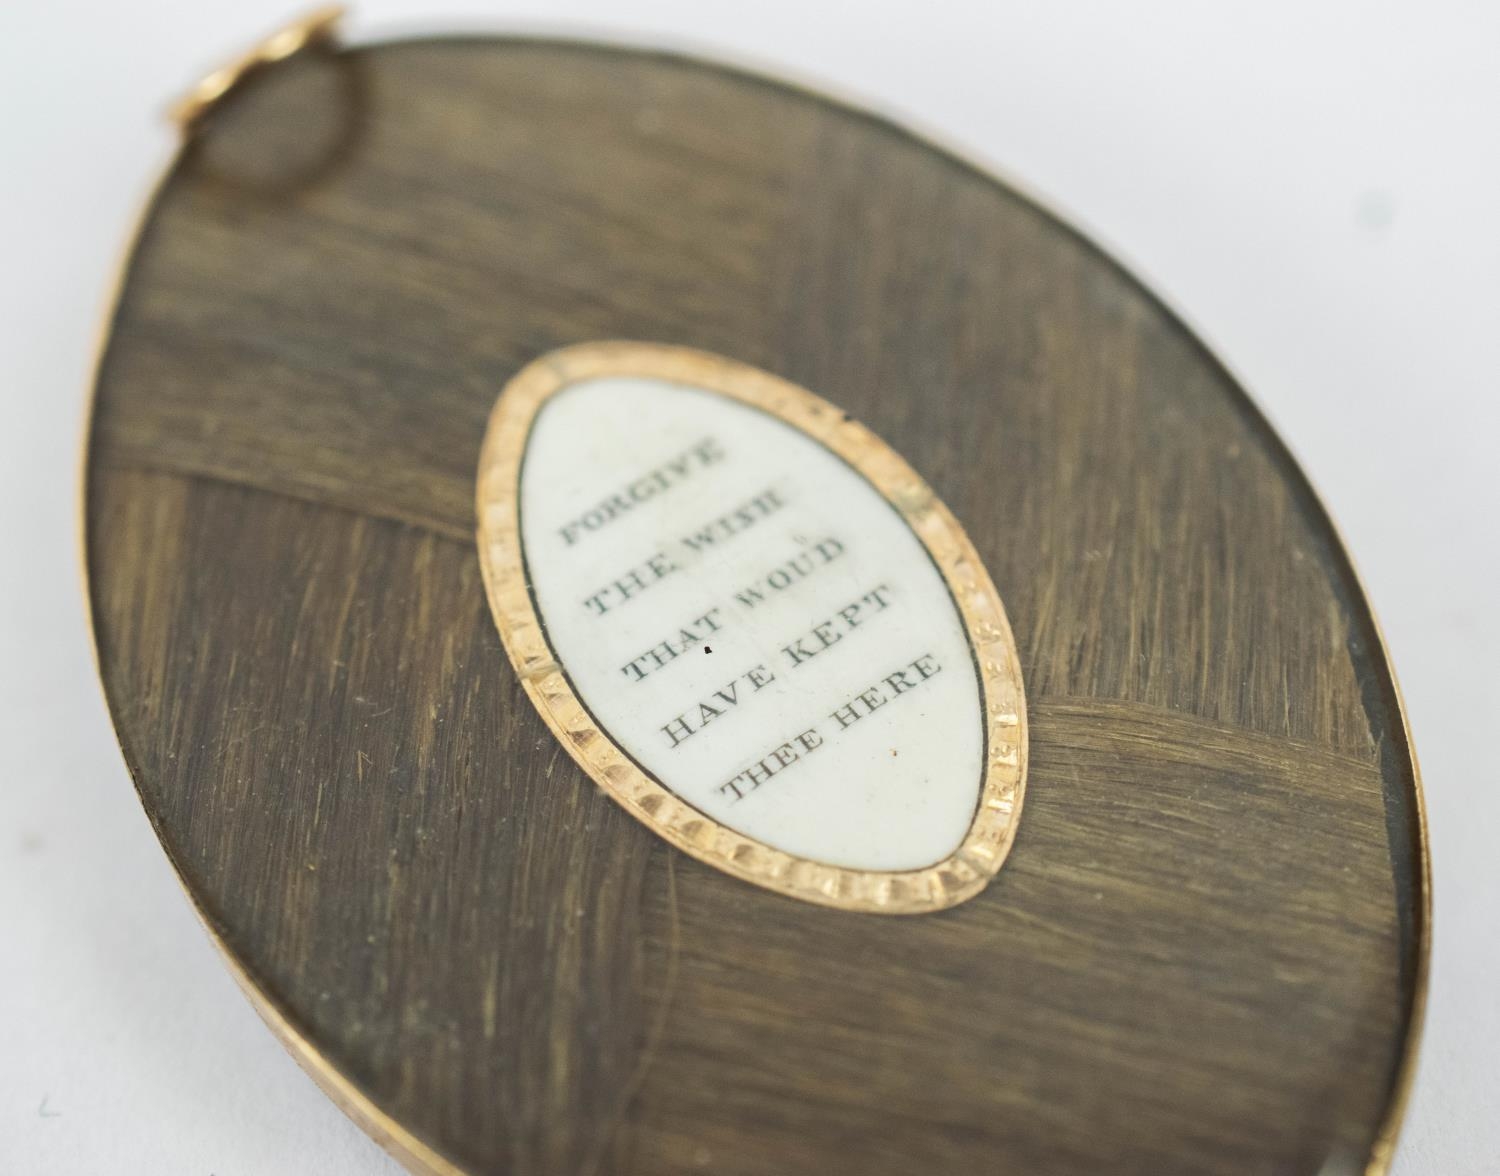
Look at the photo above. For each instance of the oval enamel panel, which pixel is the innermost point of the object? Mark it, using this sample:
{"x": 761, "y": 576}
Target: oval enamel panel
{"x": 754, "y": 625}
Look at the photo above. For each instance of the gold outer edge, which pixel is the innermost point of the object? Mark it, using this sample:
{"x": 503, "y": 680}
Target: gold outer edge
{"x": 992, "y": 829}
{"x": 1383, "y": 1149}
{"x": 403, "y": 1146}
{"x": 338, "y": 1086}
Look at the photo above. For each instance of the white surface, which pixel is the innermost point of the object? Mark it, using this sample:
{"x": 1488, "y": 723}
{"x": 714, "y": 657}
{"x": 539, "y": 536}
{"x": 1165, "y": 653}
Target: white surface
{"x": 1316, "y": 183}
{"x": 817, "y": 592}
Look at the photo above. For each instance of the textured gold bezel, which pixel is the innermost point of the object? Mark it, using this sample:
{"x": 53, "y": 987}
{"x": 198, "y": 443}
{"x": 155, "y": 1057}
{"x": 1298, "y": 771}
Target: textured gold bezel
{"x": 958, "y": 877}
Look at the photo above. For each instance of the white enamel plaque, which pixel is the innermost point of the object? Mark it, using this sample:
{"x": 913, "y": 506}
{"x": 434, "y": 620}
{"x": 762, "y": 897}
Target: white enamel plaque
{"x": 754, "y": 625}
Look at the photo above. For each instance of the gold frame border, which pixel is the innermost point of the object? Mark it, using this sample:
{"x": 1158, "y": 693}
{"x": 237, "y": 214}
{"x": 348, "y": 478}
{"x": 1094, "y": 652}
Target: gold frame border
{"x": 962, "y": 874}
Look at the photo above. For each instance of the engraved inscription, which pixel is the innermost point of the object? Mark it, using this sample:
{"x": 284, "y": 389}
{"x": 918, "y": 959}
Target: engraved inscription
{"x": 752, "y": 624}
{"x": 695, "y": 632}
{"x": 653, "y": 482}
{"x": 748, "y": 619}
{"x": 830, "y": 632}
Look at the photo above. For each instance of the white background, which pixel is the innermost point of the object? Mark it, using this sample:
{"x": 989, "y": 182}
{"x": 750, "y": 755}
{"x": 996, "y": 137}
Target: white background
{"x": 1316, "y": 185}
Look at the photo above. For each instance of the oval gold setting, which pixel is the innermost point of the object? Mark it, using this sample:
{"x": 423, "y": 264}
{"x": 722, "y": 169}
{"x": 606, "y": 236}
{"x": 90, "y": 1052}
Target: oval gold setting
{"x": 959, "y": 875}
